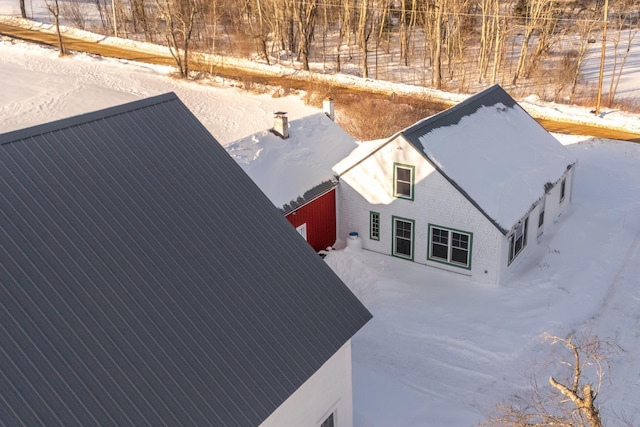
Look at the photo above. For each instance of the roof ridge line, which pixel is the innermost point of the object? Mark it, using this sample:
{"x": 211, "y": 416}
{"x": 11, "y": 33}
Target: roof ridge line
{"x": 67, "y": 122}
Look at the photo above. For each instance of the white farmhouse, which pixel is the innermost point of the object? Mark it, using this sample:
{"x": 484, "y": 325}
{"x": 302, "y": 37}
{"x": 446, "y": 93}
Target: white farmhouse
{"x": 469, "y": 190}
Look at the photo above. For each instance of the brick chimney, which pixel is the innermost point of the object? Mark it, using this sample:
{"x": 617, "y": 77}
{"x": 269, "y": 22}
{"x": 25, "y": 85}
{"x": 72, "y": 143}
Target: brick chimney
{"x": 281, "y": 124}
{"x": 327, "y": 107}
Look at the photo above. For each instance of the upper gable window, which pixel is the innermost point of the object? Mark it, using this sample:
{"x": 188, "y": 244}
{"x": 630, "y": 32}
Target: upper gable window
{"x": 403, "y": 177}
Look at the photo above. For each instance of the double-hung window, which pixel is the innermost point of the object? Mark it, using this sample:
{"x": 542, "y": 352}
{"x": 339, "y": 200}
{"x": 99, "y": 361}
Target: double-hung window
{"x": 450, "y": 246}
{"x": 403, "y": 237}
{"x": 403, "y": 180}
{"x": 518, "y": 239}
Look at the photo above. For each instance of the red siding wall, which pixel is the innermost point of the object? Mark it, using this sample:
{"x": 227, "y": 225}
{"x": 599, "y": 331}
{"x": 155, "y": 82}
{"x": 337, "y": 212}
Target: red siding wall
{"x": 320, "y": 216}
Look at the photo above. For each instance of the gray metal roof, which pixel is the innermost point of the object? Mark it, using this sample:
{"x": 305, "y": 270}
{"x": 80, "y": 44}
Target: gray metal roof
{"x": 146, "y": 280}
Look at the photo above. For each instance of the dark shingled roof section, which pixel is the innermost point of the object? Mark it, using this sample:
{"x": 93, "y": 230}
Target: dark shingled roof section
{"x": 308, "y": 196}
{"x": 452, "y": 116}
{"x": 146, "y": 280}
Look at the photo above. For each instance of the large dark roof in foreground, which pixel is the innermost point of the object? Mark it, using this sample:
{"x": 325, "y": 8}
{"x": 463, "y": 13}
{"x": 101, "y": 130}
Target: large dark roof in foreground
{"x": 145, "y": 280}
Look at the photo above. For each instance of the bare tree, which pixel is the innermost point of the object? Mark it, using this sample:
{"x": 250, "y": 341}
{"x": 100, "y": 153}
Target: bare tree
{"x": 140, "y": 20}
{"x": 364, "y": 29}
{"x": 259, "y": 26}
{"x": 625, "y": 20}
{"x": 584, "y": 30}
{"x": 179, "y": 17}
{"x": 458, "y": 27}
{"x": 547, "y": 36}
{"x": 499, "y": 42}
{"x": 583, "y": 396}
{"x": 433, "y": 27}
{"x": 571, "y": 400}
{"x": 305, "y": 11}
{"x": 72, "y": 13}
{"x": 23, "y": 10}
{"x": 54, "y": 9}
{"x": 537, "y": 14}
{"x": 407, "y": 25}
{"x": 487, "y": 35}
{"x": 101, "y": 13}
{"x": 344, "y": 29}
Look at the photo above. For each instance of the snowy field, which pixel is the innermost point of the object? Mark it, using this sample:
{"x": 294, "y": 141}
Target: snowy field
{"x": 440, "y": 350}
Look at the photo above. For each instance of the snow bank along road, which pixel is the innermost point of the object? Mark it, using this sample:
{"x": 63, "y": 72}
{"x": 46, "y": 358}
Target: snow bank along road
{"x": 259, "y": 77}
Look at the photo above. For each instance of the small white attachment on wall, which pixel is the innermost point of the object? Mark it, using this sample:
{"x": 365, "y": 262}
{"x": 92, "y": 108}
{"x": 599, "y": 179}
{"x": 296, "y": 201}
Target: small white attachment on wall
{"x": 354, "y": 242}
{"x": 327, "y": 107}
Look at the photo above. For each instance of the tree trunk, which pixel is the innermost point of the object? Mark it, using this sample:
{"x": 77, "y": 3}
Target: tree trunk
{"x": 306, "y": 11}
{"x": 585, "y": 404}
{"x": 55, "y": 11}
{"x": 364, "y": 31}
{"x": 437, "y": 52}
{"x": 179, "y": 16}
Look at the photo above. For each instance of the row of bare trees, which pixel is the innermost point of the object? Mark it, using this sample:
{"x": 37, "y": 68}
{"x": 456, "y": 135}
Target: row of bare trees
{"x": 450, "y": 42}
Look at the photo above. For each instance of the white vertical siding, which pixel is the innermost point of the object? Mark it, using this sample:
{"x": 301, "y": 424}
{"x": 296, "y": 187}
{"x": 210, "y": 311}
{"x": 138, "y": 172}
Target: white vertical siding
{"x": 328, "y": 390}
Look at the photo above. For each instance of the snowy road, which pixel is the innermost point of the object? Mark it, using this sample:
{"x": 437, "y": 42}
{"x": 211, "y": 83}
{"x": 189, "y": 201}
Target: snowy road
{"x": 290, "y": 78}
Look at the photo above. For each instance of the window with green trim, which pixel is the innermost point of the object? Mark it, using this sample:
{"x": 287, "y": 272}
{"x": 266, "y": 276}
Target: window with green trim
{"x": 450, "y": 246}
{"x": 403, "y": 180}
{"x": 374, "y": 226}
{"x": 403, "y": 237}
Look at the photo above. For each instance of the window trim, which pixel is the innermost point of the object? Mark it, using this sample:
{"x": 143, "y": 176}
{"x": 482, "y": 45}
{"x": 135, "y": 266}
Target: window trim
{"x": 541, "y": 212}
{"x": 393, "y": 239}
{"x": 302, "y": 230}
{"x": 448, "y": 261}
{"x": 374, "y": 226}
{"x": 333, "y": 416}
{"x": 412, "y": 169}
{"x": 512, "y": 241}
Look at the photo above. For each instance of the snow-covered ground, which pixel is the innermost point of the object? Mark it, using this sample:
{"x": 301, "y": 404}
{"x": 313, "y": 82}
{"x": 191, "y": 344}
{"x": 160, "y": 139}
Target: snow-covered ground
{"x": 441, "y": 350}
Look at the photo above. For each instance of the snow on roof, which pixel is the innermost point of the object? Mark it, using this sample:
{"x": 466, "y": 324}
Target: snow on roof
{"x": 285, "y": 169}
{"x": 364, "y": 149}
{"x": 491, "y": 149}
{"x": 498, "y": 155}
